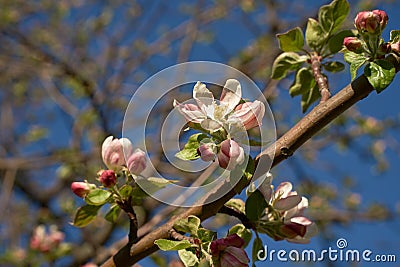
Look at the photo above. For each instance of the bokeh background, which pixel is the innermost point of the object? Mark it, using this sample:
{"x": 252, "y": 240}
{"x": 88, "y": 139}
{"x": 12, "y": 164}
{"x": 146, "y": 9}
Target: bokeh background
{"x": 68, "y": 69}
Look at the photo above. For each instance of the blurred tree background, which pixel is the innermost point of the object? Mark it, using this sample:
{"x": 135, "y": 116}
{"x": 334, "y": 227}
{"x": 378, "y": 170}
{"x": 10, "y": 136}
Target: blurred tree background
{"x": 69, "y": 68}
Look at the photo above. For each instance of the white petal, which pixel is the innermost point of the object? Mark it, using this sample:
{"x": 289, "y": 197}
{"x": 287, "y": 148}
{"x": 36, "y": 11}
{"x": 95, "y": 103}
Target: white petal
{"x": 287, "y": 203}
{"x": 231, "y": 95}
{"x": 283, "y": 189}
{"x": 203, "y": 97}
{"x": 210, "y": 125}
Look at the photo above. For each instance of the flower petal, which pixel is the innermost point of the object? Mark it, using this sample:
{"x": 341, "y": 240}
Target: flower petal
{"x": 287, "y": 203}
{"x": 191, "y": 112}
{"x": 204, "y": 99}
{"x": 301, "y": 220}
{"x": 283, "y": 190}
{"x": 231, "y": 95}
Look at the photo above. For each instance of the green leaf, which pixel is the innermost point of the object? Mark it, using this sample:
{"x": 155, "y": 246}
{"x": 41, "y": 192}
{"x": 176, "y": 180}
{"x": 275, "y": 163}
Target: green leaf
{"x": 152, "y": 184}
{"x": 188, "y": 225}
{"x": 206, "y": 235}
{"x": 189, "y": 151}
{"x": 335, "y": 43}
{"x": 333, "y": 66}
{"x": 113, "y": 213}
{"x": 302, "y": 83}
{"x": 250, "y": 168}
{"x": 355, "y": 60}
{"x": 291, "y": 41}
{"x": 255, "y": 206}
{"x": 257, "y": 246}
{"x": 126, "y": 190}
{"x": 395, "y": 36}
{"x": 97, "y": 197}
{"x": 242, "y": 232}
{"x": 315, "y": 35}
{"x": 188, "y": 258}
{"x": 85, "y": 215}
{"x": 286, "y": 62}
{"x": 237, "y": 204}
{"x": 380, "y": 74}
{"x": 168, "y": 245}
{"x": 331, "y": 16}
{"x": 309, "y": 98}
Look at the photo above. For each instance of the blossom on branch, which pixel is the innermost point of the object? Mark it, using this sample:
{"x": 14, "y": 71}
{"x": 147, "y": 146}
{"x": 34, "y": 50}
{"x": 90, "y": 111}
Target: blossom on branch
{"x": 230, "y": 154}
{"x": 137, "y": 161}
{"x": 81, "y": 189}
{"x": 112, "y": 152}
{"x": 229, "y": 251}
{"x": 372, "y": 22}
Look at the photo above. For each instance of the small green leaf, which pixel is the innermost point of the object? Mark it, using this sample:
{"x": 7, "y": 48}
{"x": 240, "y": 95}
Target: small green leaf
{"x": 255, "y": 206}
{"x": 168, "y": 245}
{"x": 237, "y": 204}
{"x": 189, "y": 151}
{"x": 97, "y": 197}
{"x": 331, "y": 16}
{"x": 395, "y": 36}
{"x": 302, "y": 83}
{"x": 309, "y": 98}
{"x": 188, "y": 225}
{"x": 151, "y": 185}
{"x": 335, "y": 43}
{"x": 257, "y": 246}
{"x": 126, "y": 190}
{"x": 242, "y": 232}
{"x": 380, "y": 74}
{"x": 333, "y": 66}
{"x": 85, "y": 215}
{"x": 286, "y": 62}
{"x": 206, "y": 235}
{"x": 113, "y": 213}
{"x": 355, "y": 60}
{"x": 250, "y": 168}
{"x": 188, "y": 258}
{"x": 291, "y": 41}
{"x": 315, "y": 35}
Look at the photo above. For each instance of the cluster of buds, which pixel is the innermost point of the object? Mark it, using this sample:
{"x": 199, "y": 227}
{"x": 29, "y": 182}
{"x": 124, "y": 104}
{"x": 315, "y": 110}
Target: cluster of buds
{"x": 114, "y": 152}
{"x": 45, "y": 242}
{"x": 370, "y": 25}
{"x": 229, "y": 251}
{"x": 230, "y": 113}
{"x": 371, "y": 22}
{"x": 286, "y": 208}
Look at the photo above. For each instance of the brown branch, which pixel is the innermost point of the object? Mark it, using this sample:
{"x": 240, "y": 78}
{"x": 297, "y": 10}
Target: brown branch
{"x": 235, "y": 213}
{"x": 321, "y": 80}
{"x": 283, "y": 148}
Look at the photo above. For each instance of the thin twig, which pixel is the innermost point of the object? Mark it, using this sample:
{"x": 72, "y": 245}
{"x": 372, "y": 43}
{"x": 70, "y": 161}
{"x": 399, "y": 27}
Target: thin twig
{"x": 235, "y": 213}
{"x": 321, "y": 80}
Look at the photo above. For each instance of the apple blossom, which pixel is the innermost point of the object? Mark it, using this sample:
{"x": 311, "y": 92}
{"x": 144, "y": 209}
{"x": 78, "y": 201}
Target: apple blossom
{"x": 352, "y": 44}
{"x": 230, "y": 154}
{"x": 210, "y": 115}
{"x": 81, "y": 189}
{"x": 43, "y": 241}
{"x": 229, "y": 251}
{"x": 112, "y": 152}
{"x": 137, "y": 161}
{"x": 207, "y": 151}
{"x": 250, "y": 114}
{"x": 107, "y": 178}
{"x": 371, "y": 21}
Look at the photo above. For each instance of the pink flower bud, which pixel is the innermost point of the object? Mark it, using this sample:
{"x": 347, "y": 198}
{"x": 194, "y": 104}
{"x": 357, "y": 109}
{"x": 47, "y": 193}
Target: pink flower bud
{"x": 137, "y": 162}
{"x": 81, "y": 189}
{"x": 107, "y": 178}
{"x": 250, "y": 114}
{"x": 395, "y": 47}
{"x": 112, "y": 152}
{"x": 229, "y": 252}
{"x": 352, "y": 43}
{"x": 230, "y": 154}
{"x": 371, "y": 21}
{"x": 207, "y": 151}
